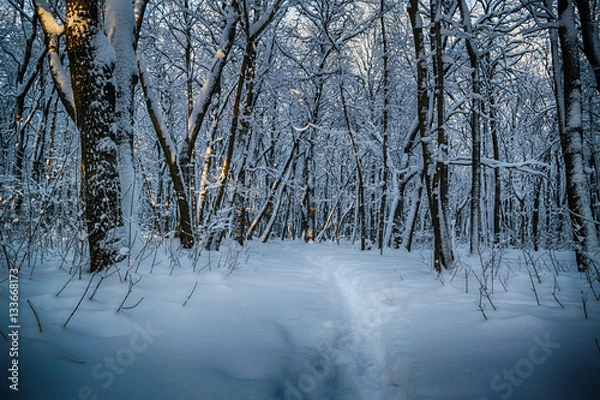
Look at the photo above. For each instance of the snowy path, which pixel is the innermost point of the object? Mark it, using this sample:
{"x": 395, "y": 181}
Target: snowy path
{"x": 361, "y": 347}
{"x": 300, "y": 322}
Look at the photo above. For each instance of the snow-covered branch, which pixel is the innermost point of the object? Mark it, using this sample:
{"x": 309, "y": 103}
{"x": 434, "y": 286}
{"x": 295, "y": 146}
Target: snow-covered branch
{"x": 52, "y": 31}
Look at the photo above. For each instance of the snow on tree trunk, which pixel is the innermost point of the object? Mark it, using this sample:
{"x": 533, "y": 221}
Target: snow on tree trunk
{"x": 120, "y": 26}
{"x": 591, "y": 41}
{"x": 434, "y": 154}
{"x": 585, "y": 236}
{"x": 92, "y": 64}
{"x": 184, "y": 223}
{"x": 473, "y": 53}
{"x": 384, "y": 128}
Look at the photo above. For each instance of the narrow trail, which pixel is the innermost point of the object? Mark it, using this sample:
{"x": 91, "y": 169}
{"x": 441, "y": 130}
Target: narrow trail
{"x": 359, "y": 352}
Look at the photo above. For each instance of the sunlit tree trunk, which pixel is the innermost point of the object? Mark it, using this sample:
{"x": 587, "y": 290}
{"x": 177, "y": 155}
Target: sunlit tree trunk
{"x": 92, "y": 64}
{"x": 184, "y": 223}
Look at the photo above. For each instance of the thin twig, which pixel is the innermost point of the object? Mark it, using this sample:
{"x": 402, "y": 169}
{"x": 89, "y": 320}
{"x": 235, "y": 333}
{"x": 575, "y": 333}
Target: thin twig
{"x": 129, "y": 290}
{"x": 556, "y": 284}
{"x": 483, "y": 290}
{"x": 35, "y": 314}
{"x": 191, "y": 293}
{"x": 131, "y": 307}
{"x": 555, "y": 298}
{"x": 99, "y": 282}
{"x": 80, "y": 300}
{"x": 537, "y": 299}
{"x": 481, "y": 308}
{"x": 64, "y": 286}
{"x": 591, "y": 283}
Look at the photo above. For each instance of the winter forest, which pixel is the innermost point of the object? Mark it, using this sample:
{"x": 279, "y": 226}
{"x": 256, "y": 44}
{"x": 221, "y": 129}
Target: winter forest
{"x": 361, "y": 143}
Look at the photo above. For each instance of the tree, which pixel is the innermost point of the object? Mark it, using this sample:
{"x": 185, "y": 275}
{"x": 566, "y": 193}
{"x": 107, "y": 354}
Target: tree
{"x": 434, "y": 148}
{"x": 384, "y": 128}
{"x": 98, "y": 94}
{"x": 475, "y": 125}
{"x": 90, "y": 92}
{"x": 585, "y": 235}
{"x": 29, "y": 67}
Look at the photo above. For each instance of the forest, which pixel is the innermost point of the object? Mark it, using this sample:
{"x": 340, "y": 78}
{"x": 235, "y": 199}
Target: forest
{"x": 287, "y": 200}
{"x": 389, "y": 124}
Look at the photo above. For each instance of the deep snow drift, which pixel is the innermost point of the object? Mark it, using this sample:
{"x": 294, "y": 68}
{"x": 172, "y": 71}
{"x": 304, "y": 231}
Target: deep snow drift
{"x": 288, "y": 320}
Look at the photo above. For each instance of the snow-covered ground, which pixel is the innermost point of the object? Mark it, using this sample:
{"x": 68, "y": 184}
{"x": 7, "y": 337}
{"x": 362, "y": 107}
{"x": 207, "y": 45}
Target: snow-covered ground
{"x": 288, "y": 320}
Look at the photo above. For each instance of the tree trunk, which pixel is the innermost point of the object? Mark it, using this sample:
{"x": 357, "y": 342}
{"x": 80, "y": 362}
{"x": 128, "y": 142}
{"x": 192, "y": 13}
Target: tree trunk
{"x": 92, "y": 65}
{"x": 591, "y": 41}
{"x": 184, "y": 223}
{"x": 385, "y": 118}
{"x": 434, "y": 168}
{"x": 123, "y": 37}
{"x": 585, "y": 236}
{"x": 197, "y": 111}
{"x": 360, "y": 198}
{"x": 25, "y": 77}
{"x": 497, "y": 183}
{"x": 475, "y": 125}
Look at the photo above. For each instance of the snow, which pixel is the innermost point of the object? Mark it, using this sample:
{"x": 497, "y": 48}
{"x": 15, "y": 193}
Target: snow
{"x": 47, "y": 19}
{"x": 104, "y": 54}
{"x": 288, "y": 320}
{"x": 120, "y": 23}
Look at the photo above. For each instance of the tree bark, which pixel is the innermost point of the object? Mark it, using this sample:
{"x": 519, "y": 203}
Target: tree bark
{"x": 385, "y": 133}
{"x": 591, "y": 41}
{"x": 434, "y": 168}
{"x": 585, "y": 235}
{"x": 475, "y": 126}
{"x": 184, "y": 224}
{"x": 92, "y": 65}
{"x": 360, "y": 198}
